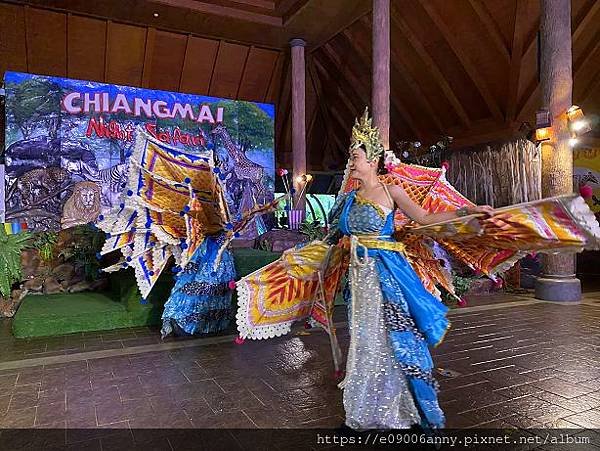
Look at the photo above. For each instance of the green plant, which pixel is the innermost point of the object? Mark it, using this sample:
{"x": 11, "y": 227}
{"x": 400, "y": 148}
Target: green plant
{"x": 313, "y": 230}
{"x": 83, "y": 250}
{"x": 10, "y": 259}
{"x": 44, "y": 242}
{"x": 461, "y": 286}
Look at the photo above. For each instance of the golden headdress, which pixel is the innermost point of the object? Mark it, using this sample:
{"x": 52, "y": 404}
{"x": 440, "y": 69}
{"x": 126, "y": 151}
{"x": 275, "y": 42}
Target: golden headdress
{"x": 364, "y": 134}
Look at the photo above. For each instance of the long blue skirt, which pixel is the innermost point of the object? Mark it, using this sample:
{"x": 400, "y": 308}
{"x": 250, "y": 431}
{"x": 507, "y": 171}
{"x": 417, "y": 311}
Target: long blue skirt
{"x": 200, "y": 302}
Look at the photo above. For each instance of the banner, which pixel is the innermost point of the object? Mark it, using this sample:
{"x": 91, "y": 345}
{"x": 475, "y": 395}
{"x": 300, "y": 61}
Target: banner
{"x": 586, "y": 172}
{"x": 62, "y": 134}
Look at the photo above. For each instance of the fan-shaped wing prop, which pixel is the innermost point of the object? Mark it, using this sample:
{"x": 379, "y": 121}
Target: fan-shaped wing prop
{"x": 171, "y": 201}
{"x": 551, "y": 225}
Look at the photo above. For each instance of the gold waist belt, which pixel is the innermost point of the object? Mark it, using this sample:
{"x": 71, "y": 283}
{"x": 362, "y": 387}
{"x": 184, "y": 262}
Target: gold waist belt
{"x": 374, "y": 243}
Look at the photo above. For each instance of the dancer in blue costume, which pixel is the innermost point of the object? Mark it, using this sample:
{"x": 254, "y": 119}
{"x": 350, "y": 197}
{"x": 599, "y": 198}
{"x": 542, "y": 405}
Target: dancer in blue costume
{"x": 393, "y": 318}
{"x": 200, "y": 301}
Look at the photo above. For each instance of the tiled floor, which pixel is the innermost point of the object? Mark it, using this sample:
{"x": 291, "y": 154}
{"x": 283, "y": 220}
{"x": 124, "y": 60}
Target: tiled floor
{"x": 518, "y": 364}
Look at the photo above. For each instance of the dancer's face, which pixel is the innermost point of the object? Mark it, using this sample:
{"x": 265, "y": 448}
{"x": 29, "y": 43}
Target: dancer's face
{"x": 360, "y": 167}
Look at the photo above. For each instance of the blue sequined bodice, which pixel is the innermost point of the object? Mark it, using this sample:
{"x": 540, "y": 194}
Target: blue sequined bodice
{"x": 366, "y": 217}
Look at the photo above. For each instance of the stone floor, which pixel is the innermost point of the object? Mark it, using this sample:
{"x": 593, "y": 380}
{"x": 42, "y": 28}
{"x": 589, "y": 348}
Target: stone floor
{"x": 514, "y": 363}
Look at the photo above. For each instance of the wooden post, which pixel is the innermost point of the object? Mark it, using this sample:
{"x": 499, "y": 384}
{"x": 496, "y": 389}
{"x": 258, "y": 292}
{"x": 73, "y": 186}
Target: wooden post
{"x": 558, "y": 281}
{"x": 380, "y": 90}
{"x": 298, "y": 117}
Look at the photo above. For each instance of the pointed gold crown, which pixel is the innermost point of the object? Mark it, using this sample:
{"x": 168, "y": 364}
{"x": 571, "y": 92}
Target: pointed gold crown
{"x": 364, "y": 134}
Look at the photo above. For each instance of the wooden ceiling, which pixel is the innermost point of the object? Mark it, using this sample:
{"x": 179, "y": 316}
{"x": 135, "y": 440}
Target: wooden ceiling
{"x": 465, "y": 68}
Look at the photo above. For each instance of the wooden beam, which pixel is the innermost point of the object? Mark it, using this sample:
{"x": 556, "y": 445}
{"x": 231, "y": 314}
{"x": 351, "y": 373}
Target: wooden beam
{"x": 432, "y": 68}
{"x": 516, "y": 58}
{"x": 348, "y": 16}
{"x": 585, "y": 21}
{"x": 405, "y": 74}
{"x": 341, "y": 126}
{"x": 355, "y": 56}
{"x": 106, "y": 44}
{"x": 25, "y": 26}
{"x": 452, "y": 40}
{"x": 491, "y": 27}
{"x": 283, "y": 114}
{"x": 321, "y": 101}
{"x": 357, "y": 100}
{"x": 592, "y": 89}
{"x": 185, "y": 56}
{"x": 212, "y": 72}
{"x": 532, "y": 93}
{"x": 586, "y": 57}
{"x": 148, "y": 51}
{"x": 237, "y": 94}
{"x": 265, "y": 4}
{"x": 325, "y": 66}
{"x": 577, "y": 33}
{"x": 272, "y": 78}
{"x": 287, "y": 9}
{"x": 218, "y": 10}
{"x": 587, "y": 54}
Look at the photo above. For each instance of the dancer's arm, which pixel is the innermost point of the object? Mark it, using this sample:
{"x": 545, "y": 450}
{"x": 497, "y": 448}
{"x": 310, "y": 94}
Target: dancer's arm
{"x": 417, "y": 214}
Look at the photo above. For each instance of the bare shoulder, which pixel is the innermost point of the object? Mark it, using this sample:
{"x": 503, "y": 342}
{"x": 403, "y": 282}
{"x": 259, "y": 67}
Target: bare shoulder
{"x": 396, "y": 190}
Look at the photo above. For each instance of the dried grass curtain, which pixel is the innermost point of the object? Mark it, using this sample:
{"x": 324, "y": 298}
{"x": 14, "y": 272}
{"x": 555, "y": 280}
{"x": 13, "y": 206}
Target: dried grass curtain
{"x": 497, "y": 174}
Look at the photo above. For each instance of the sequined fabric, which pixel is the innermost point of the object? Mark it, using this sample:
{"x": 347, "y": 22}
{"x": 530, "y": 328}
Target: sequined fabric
{"x": 376, "y": 392}
{"x": 200, "y": 301}
{"x": 393, "y": 320}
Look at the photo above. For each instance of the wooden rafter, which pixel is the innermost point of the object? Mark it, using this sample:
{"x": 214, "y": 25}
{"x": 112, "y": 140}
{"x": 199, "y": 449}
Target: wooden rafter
{"x": 356, "y": 59}
{"x": 349, "y": 79}
{"x": 185, "y": 57}
{"x": 317, "y": 86}
{"x": 328, "y": 70}
{"x": 241, "y": 82}
{"x": 214, "y": 66}
{"x": 106, "y": 42}
{"x": 586, "y": 21}
{"x": 592, "y": 89}
{"x": 491, "y": 27}
{"x": 276, "y": 71}
{"x": 470, "y": 68}
{"x": 398, "y": 68}
{"x": 433, "y": 69}
{"x": 234, "y": 13}
{"x": 534, "y": 89}
{"x": 284, "y": 99}
{"x": 287, "y": 9}
{"x": 516, "y": 58}
{"x": 587, "y": 56}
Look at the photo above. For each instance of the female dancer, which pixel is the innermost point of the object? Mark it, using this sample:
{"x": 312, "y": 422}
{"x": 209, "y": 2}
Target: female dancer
{"x": 393, "y": 318}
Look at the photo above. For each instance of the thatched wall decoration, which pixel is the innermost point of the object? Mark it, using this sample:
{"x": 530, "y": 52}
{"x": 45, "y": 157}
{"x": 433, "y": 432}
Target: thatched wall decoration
{"x": 497, "y": 174}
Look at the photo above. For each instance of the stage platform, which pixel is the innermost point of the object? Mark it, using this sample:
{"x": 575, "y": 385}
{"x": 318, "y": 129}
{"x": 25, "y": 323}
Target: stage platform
{"x": 59, "y": 314}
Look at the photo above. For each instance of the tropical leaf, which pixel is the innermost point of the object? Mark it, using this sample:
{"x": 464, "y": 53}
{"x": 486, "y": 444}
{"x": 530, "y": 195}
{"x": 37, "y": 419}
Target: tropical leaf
{"x": 10, "y": 259}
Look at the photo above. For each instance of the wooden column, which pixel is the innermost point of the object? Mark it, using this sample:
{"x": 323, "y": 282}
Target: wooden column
{"x": 558, "y": 281}
{"x": 298, "y": 116}
{"x": 380, "y": 90}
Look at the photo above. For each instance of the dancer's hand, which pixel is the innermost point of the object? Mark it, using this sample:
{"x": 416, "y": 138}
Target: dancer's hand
{"x": 485, "y": 209}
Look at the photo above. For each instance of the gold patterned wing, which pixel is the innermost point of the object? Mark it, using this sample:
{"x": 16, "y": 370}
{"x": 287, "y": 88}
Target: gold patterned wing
{"x": 272, "y": 298}
{"x": 171, "y": 201}
{"x": 553, "y": 225}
